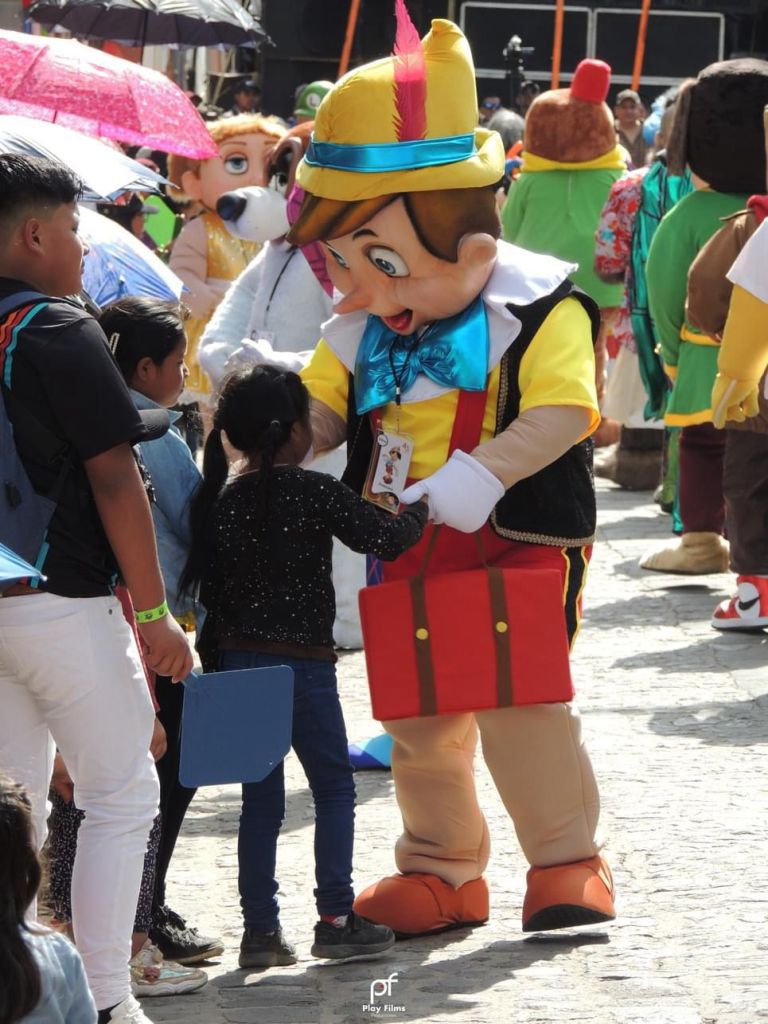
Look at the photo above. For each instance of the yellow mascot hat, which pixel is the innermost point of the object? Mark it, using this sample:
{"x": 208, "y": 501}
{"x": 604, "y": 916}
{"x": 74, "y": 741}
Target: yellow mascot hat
{"x": 406, "y": 123}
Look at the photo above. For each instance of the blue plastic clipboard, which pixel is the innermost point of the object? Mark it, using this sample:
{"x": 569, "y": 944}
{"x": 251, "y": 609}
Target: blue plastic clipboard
{"x": 235, "y": 726}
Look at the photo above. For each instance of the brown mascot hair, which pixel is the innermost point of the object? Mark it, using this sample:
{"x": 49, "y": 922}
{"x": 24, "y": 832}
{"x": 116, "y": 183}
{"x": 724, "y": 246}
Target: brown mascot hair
{"x": 440, "y": 218}
{"x": 678, "y": 133}
{"x": 718, "y": 126}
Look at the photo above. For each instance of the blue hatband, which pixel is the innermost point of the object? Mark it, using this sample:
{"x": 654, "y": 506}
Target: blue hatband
{"x": 391, "y": 156}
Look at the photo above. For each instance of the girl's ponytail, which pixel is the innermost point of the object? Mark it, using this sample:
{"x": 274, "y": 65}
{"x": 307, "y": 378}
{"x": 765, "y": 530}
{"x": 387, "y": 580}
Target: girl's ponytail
{"x": 272, "y": 440}
{"x": 215, "y": 470}
{"x": 257, "y": 409}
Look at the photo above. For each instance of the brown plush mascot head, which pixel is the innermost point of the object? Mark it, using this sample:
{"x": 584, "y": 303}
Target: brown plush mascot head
{"x": 573, "y": 125}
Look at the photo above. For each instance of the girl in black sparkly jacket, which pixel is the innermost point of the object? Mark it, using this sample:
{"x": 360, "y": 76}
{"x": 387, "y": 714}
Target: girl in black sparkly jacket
{"x": 261, "y": 556}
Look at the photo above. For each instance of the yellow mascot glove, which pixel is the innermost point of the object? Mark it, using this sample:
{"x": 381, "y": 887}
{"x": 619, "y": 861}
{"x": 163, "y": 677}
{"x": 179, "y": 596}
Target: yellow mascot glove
{"x": 733, "y": 400}
{"x": 742, "y": 359}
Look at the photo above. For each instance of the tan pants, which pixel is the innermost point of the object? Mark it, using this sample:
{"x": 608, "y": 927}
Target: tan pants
{"x": 541, "y": 770}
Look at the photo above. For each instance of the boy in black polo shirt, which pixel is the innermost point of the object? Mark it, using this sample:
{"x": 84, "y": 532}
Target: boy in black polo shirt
{"x": 70, "y": 674}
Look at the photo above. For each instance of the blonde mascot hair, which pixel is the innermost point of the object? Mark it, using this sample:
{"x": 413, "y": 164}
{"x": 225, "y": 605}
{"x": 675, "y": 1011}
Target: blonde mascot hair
{"x": 226, "y": 128}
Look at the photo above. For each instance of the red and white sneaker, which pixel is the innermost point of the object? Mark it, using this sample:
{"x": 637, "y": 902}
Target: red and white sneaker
{"x": 747, "y": 609}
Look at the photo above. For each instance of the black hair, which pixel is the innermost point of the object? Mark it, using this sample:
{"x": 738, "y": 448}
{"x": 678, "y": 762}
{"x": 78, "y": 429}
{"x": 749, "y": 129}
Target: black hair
{"x": 32, "y": 181}
{"x": 257, "y": 410}
{"x": 137, "y": 328}
{"x": 19, "y": 882}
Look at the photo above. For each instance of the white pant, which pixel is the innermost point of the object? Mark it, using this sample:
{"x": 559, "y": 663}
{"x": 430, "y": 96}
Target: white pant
{"x": 70, "y": 676}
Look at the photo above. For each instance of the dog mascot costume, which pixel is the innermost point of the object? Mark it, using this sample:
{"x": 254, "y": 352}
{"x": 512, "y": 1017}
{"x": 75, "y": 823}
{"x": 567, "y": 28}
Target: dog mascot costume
{"x": 482, "y": 354}
{"x": 284, "y": 295}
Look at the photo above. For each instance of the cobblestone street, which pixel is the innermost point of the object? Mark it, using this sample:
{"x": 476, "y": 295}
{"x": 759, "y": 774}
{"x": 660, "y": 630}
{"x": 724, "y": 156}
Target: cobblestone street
{"x": 675, "y": 719}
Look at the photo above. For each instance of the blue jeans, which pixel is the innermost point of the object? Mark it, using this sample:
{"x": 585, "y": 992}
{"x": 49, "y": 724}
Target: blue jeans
{"x": 320, "y": 741}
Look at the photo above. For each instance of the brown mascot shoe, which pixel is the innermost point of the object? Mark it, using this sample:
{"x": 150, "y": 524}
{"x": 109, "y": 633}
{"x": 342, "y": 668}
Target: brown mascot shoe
{"x": 568, "y": 895}
{"x": 421, "y": 904}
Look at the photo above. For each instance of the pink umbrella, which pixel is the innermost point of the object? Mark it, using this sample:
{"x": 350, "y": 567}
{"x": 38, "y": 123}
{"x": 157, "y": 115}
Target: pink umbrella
{"x": 83, "y": 88}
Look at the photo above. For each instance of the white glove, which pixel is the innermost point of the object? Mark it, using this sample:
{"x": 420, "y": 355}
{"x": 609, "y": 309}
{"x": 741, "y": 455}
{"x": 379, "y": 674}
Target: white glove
{"x": 254, "y": 353}
{"x": 461, "y": 494}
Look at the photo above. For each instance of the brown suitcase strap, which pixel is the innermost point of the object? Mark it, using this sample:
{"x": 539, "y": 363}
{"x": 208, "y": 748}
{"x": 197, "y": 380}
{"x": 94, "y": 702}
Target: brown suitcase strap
{"x": 505, "y": 697}
{"x": 423, "y": 647}
{"x": 423, "y": 638}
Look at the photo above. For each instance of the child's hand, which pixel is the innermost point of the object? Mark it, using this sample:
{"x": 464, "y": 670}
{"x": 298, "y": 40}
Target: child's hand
{"x": 461, "y": 494}
{"x": 159, "y": 743}
{"x": 61, "y": 780}
{"x": 169, "y": 653}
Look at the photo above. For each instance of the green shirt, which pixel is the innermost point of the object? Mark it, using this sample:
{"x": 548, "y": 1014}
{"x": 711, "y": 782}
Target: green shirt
{"x": 557, "y": 212}
{"x": 682, "y": 233}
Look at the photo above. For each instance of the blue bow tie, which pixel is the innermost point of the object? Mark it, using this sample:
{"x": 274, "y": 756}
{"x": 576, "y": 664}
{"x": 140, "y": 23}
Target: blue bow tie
{"x": 452, "y": 352}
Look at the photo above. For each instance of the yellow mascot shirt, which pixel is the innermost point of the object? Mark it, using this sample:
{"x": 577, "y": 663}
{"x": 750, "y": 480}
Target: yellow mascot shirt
{"x": 557, "y": 369}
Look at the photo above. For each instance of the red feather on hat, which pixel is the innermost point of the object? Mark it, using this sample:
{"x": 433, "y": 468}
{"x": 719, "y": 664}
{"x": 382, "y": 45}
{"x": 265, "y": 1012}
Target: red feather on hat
{"x": 410, "y": 79}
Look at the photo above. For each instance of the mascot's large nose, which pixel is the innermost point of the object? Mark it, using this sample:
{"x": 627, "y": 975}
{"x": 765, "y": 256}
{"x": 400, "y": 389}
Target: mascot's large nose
{"x": 230, "y": 206}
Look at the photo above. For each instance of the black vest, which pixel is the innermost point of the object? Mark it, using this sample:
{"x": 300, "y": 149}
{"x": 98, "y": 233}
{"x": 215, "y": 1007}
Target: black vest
{"x": 554, "y": 506}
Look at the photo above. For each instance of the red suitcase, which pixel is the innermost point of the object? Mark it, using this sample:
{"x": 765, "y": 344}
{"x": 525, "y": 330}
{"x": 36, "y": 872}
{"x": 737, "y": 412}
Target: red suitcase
{"x": 465, "y": 641}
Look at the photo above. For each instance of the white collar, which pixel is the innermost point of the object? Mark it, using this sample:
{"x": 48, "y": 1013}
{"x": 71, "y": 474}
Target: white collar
{"x": 519, "y": 277}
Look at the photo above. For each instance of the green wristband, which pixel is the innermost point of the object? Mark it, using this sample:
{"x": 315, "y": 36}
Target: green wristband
{"x": 152, "y": 614}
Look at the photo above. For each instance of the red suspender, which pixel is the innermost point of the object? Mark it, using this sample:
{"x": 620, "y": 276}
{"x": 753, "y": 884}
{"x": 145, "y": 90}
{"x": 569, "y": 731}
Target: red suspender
{"x": 468, "y": 421}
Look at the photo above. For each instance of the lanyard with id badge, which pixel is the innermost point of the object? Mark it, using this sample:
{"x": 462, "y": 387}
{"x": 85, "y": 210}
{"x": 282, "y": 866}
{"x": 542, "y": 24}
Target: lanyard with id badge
{"x": 392, "y": 450}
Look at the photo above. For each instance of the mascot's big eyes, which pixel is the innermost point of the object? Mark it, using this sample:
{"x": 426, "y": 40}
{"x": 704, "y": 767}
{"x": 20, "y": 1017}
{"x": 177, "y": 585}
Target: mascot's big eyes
{"x": 337, "y": 256}
{"x": 388, "y": 261}
{"x": 236, "y": 164}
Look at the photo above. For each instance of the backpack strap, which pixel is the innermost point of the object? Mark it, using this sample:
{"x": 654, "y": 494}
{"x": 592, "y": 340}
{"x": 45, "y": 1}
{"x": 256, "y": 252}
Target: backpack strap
{"x": 16, "y": 311}
{"x": 50, "y": 448}
{"x": 37, "y": 437}
{"x": 11, "y": 302}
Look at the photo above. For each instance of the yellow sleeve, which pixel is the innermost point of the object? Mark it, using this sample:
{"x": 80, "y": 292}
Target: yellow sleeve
{"x": 744, "y": 352}
{"x": 327, "y": 379}
{"x": 559, "y": 366}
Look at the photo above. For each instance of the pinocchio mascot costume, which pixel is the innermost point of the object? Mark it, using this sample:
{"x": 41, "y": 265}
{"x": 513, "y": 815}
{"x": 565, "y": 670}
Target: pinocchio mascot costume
{"x": 482, "y": 354}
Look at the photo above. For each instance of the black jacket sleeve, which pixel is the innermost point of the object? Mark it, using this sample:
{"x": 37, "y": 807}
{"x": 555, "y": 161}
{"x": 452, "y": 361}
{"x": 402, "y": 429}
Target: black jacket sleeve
{"x": 362, "y": 526}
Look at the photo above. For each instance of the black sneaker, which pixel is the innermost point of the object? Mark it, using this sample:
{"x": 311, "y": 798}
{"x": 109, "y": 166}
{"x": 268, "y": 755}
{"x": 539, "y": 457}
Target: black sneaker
{"x": 357, "y": 940}
{"x": 180, "y": 943}
{"x": 265, "y": 949}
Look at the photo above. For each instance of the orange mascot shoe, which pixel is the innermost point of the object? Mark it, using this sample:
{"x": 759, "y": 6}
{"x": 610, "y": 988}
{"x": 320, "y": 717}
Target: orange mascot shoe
{"x": 568, "y": 895}
{"x": 419, "y": 904}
